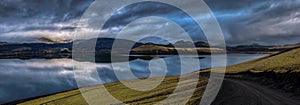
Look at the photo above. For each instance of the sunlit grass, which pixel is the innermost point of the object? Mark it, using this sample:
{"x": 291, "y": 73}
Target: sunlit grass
{"x": 126, "y": 95}
{"x": 281, "y": 62}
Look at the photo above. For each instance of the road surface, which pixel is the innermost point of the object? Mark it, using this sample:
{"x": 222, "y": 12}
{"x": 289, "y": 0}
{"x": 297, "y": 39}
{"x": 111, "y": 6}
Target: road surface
{"x": 238, "y": 92}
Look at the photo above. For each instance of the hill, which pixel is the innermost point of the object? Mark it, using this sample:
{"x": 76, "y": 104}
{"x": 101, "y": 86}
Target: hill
{"x": 257, "y": 48}
{"x": 60, "y": 50}
{"x": 162, "y": 50}
{"x": 280, "y": 70}
{"x": 286, "y": 61}
{"x": 104, "y": 46}
{"x": 126, "y": 95}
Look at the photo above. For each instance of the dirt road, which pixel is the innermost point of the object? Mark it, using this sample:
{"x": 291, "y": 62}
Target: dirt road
{"x": 238, "y": 92}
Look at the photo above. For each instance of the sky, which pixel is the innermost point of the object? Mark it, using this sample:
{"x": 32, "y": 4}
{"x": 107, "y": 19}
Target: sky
{"x": 268, "y": 22}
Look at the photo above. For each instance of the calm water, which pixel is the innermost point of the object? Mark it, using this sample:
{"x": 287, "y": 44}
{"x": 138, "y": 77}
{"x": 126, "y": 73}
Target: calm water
{"x": 21, "y": 79}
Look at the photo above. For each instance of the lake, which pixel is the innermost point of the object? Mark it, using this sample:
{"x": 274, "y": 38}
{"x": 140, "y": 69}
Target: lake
{"x": 22, "y": 79}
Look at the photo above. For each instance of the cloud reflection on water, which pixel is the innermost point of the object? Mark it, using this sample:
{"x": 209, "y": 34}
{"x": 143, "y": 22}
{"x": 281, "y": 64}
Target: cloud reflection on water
{"x": 29, "y": 78}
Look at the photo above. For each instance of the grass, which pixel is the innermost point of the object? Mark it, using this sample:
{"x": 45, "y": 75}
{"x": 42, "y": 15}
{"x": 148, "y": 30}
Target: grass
{"x": 172, "y": 49}
{"x": 280, "y": 71}
{"x": 281, "y": 68}
{"x": 129, "y": 96}
{"x": 288, "y": 61}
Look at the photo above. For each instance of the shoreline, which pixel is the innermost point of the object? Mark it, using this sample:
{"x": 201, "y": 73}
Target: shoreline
{"x": 231, "y": 71}
{"x": 203, "y": 74}
{"x": 31, "y": 98}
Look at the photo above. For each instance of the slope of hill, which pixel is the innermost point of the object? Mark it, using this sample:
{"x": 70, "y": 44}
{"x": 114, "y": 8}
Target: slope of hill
{"x": 281, "y": 70}
{"x": 257, "y": 48}
{"x": 59, "y": 50}
{"x": 286, "y": 61}
{"x": 163, "y": 50}
{"x": 129, "y": 96}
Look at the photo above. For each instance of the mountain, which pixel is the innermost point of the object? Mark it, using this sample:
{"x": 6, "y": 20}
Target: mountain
{"x": 3, "y": 43}
{"x": 60, "y": 50}
{"x": 106, "y": 44}
{"x": 201, "y": 44}
{"x": 185, "y": 47}
{"x": 104, "y": 48}
{"x": 186, "y": 44}
{"x": 101, "y": 44}
{"x": 257, "y": 48}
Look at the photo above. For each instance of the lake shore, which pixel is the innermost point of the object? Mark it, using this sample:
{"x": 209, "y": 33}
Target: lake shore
{"x": 248, "y": 70}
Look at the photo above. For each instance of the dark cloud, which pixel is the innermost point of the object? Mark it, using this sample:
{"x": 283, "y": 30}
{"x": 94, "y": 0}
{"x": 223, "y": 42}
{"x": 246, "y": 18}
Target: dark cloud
{"x": 145, "y": 9}
{"x": 263, "y": 21}
{"x": 242, "y": 21}
{"x": 29, "y": 20}
{"x": 56, "y": 10}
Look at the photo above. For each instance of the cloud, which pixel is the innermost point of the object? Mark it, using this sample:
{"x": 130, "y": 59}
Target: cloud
{"x": 264, "y": 21}
{"x": 243, "y": 22}
{"x": 29, "y": 20}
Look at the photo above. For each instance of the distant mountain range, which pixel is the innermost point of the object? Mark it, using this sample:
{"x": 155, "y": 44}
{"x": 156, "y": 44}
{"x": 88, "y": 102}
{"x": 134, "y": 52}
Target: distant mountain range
{"x": 104, "y": 46}
{"x": 257, "y": 48}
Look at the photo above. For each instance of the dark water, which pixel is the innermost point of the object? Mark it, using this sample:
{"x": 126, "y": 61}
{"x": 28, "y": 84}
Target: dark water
{"x": 21, "y": 79}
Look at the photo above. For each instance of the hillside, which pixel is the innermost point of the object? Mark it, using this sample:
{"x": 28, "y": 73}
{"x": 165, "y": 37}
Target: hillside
{"x": 127, "y": 95}
{"x": 162, "y": 50}
{"x": 286, "y": 61}
{"x": 104, "y": 46}
{"x": 259, "y": 49}
{"x": 280, "y": 71}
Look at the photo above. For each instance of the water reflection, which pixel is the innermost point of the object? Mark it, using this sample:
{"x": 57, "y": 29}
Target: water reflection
{"x": 29, "y": 78}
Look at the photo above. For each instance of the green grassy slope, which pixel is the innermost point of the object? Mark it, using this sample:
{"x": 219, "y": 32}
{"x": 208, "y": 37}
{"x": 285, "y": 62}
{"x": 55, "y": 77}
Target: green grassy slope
{"x": 172, "y": 50}
{"x": 287, "y": 61}
{"x": 127, "y": 95}
{"x": 281, "y": 71}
